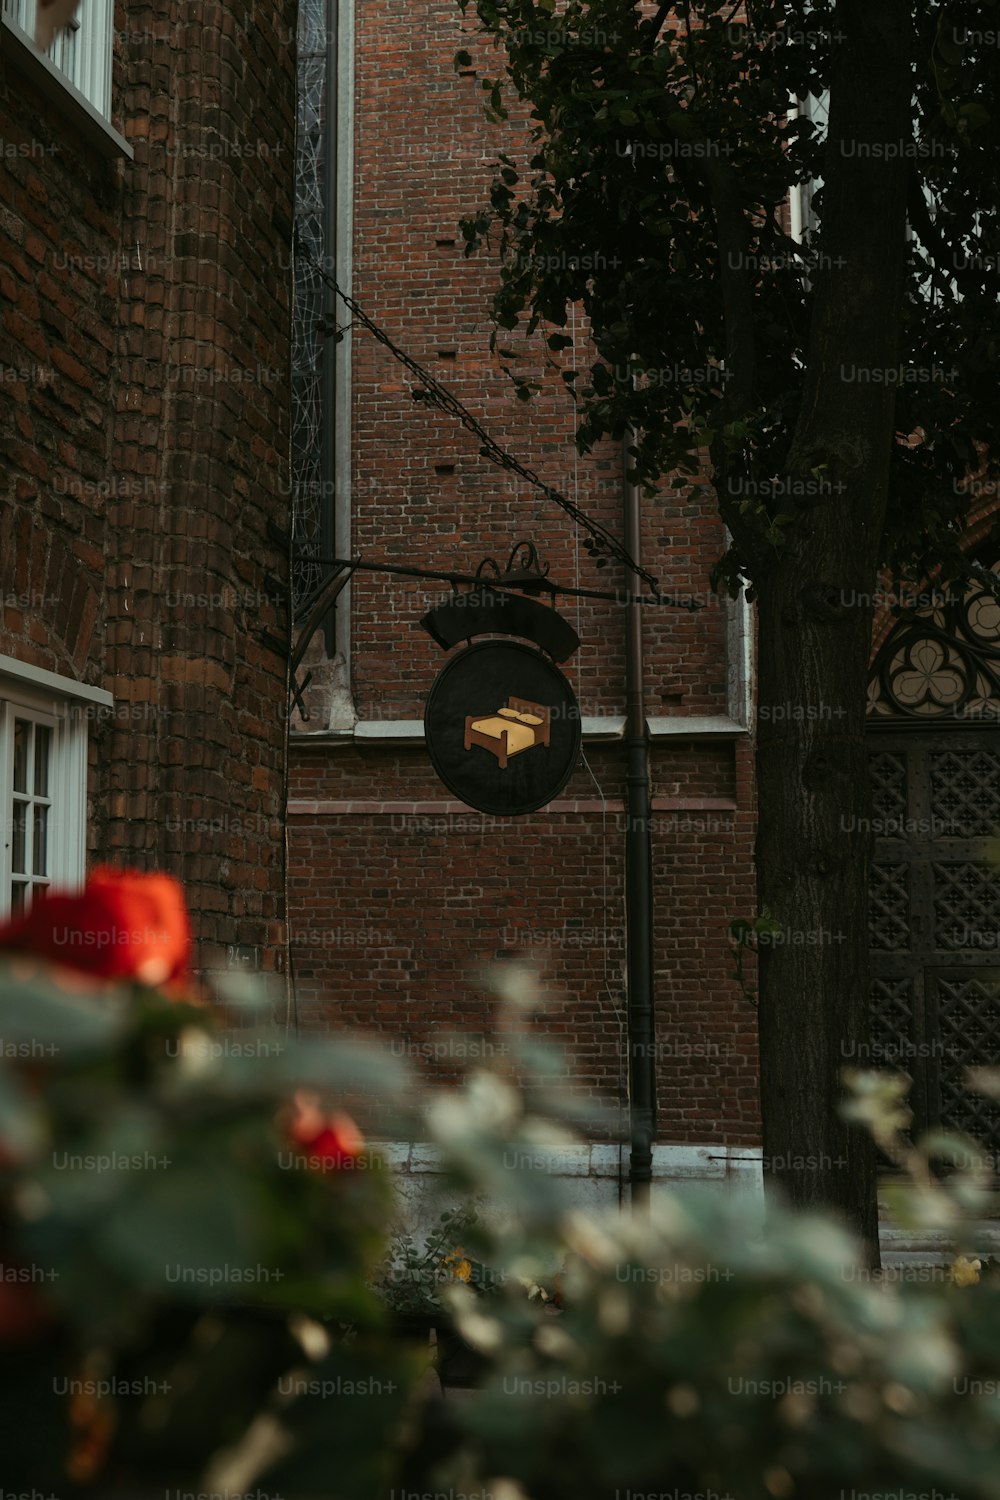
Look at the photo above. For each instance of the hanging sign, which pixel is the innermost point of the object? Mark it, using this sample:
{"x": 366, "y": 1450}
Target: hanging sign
{"x": 487, "y": 611}
{"x": 503, "y": 728}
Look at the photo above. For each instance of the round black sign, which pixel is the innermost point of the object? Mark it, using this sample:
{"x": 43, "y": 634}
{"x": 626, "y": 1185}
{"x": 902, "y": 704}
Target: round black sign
{"x": 503, "y": 728}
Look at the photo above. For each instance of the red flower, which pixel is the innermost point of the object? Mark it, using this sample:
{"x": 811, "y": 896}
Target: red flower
{"x": 23, "y": 1313}
{"x": 123, "y": 925}
{"x": 333, "y": 1138}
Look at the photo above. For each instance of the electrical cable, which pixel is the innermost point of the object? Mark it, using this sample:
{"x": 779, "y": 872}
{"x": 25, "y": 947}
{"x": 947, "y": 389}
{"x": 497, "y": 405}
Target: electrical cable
{"x": 435, "y": 394}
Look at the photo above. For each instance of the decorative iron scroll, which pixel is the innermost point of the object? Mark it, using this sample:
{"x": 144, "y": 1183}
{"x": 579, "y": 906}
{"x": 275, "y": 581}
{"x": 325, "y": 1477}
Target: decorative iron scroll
{"x": 893, "y": 1020}
{"x": 888, "y": 778}
{"x": 934, "y": 918}
{"x": 889, "y": 907}
{"x": 941, "y": 661}
{"x": 965, "y": 792}
{"x": 966, "y": 907}
{"x": 968, "y": 1010}
{"x": 523, "y": 568}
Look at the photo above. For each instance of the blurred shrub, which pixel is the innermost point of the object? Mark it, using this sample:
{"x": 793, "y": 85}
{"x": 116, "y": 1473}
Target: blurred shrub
{"x": 199, "y": 1278}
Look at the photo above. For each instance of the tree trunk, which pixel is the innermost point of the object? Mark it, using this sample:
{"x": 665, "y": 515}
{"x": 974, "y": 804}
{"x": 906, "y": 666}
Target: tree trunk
{"x": 815, "y": 635}
{"x": 812, "y": 871}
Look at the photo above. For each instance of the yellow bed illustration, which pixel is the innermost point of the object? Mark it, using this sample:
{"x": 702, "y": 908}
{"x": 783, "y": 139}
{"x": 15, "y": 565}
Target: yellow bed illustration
{"x": 519, "y": 726}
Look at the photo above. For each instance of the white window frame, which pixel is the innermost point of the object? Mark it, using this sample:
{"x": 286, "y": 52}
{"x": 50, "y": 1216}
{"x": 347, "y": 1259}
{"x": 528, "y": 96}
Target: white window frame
{"x": 81, "y": 51}
{"x": 66, "y": 707}
{"x": 12, "y": 714}
{"x": 804, "y": 218}
{"x": 75, "y": 74}
{"x": 339, "y": 259}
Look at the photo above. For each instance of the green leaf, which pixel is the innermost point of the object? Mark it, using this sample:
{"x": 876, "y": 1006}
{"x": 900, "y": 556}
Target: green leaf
{"x": 22, "y": 1118}
{"x": 191, "y": 1231}
{"x": 39, "y": 1020}
{"x": 974, "y": 116}
{"x": 950, "y": 50}
{"x": 343, "y": 1421}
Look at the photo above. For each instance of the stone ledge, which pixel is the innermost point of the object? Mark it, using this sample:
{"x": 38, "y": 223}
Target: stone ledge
{"x": 604, "y": 1159}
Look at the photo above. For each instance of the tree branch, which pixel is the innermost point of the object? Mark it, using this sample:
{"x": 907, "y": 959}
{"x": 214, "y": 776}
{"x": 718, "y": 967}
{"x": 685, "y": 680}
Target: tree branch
{"x": 739, "y": 310}
{"x": 656, "y": 23}
{"x": 937, "y": 247}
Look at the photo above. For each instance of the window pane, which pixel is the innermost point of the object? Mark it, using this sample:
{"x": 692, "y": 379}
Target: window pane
{"x": 43, "y": 743}
{"x": 19, "y": 825}
{"x": 18, "y": 10}
{"x": 22, "y": 744}
{"x": 40, "y": 846}
{"x": 17, "y": 891}
{"x": 63, "y": 52}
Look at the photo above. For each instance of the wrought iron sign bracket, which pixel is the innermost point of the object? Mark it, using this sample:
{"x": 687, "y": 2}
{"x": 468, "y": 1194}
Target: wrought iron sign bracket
{"x": 499, "y": 601}
{"x": 523, "y": 571}
{"x": 535, "y": 582}
{"x": 503, "y": 605}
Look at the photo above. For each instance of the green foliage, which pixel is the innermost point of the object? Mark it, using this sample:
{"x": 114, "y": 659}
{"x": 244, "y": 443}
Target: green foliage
{"x": 641, "y": 123}
{"x": 693, "y": 1352}
{"x": 748, "y": 935}
{"x": 692, "y": 1358}
{"x": 413, "y": 1277}
{"x": 161, "y": 1230}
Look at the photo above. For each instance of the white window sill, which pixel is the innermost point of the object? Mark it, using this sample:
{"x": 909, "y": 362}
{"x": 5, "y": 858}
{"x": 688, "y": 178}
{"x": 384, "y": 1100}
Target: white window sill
{"x": 65, "y": 706}
{"x": 51, "y": 682}
{"x": 681, "y": 1164}
{"x": 595, "y": 729}
{"x": 21, "y": 53}
{"x": 691, "y": 725}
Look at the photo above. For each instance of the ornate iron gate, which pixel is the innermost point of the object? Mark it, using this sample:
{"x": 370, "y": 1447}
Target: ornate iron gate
{"x": 934, "y": 912}
{"x": 935, "y": 920}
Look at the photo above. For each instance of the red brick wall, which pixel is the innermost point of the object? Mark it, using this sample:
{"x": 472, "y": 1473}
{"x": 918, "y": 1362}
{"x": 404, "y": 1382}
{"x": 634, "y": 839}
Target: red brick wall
{"x": 423, "y": 154}
{"x": 398, "y": 895}
{"x": 147, "y": 323}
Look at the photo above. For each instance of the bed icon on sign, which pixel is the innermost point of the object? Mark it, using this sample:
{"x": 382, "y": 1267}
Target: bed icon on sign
{"x": 520, "y": 726}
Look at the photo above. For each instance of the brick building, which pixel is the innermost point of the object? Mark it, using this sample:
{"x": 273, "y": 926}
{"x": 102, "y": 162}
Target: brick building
{"x": 151, "y": 174}
{"x": 145, "y": 227}
{"x": 398, "y": 892}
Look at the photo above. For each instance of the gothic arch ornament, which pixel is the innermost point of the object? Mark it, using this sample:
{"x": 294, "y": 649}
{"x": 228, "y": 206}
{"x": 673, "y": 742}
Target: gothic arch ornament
{"x": 942, "y": 659}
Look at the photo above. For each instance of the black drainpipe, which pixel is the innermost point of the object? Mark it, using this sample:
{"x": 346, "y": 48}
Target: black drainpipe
{"x": 638, "y": 881}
